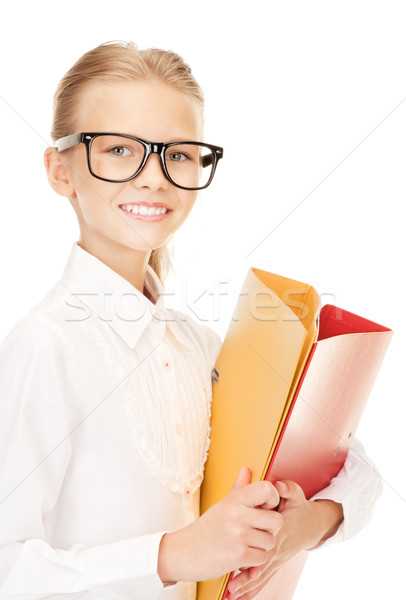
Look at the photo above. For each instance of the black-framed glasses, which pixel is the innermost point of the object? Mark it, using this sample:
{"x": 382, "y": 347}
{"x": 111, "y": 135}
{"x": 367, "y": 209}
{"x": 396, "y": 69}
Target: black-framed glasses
{"x": 118, "y": 157}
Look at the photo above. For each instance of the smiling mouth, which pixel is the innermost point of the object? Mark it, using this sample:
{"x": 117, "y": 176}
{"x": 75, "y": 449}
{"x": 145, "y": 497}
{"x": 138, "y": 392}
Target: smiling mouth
{"x": 145, "y": 210}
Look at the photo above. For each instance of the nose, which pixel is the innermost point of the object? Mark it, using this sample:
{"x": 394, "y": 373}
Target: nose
{"x": 152, "y": 175}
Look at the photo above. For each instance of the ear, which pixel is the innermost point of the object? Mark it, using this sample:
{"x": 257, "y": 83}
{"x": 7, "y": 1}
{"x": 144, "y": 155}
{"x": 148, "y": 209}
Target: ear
{"x": 57, "y": 172}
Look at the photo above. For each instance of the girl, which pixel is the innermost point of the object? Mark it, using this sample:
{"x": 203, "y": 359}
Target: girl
{"x": 105, "y": 393}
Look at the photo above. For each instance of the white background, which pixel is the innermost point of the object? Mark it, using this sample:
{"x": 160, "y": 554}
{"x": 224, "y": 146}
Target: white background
{"x": 309, "y": 101}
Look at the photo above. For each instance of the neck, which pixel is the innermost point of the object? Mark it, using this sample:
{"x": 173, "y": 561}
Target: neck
{"x": 129, "y": 263}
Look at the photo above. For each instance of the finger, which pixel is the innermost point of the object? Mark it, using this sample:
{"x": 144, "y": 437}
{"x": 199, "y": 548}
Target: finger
{"x": 243, "y": 479}
{"x": 290, "y": 490}
{"x": 256, "y": 557}
{"x": 243, "y": 578}
{"x": 263, "y": 540}
{"x": 252, "y": 588}
{"x": 260, "y": 493}
{"x": 266, "y": 520}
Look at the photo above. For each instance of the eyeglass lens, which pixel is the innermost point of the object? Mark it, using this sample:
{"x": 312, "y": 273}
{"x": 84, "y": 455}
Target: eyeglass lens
{"x": 117, "y": 158}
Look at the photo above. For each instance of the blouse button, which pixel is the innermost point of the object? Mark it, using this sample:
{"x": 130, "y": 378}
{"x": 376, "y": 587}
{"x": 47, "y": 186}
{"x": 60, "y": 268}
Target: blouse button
{"x": 179, "y": 429}
{"x": 187, "y": 493}
{"x": 167, "y": 364}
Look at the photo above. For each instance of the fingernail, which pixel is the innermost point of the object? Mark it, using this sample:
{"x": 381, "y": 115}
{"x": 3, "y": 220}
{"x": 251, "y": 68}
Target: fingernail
{"x": 282, "y": 486}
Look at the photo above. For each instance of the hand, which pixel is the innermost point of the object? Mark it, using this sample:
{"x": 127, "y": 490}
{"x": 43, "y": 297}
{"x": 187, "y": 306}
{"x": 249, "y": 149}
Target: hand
{"x": 306, "y": 524}
{"x": 236, "y": 531}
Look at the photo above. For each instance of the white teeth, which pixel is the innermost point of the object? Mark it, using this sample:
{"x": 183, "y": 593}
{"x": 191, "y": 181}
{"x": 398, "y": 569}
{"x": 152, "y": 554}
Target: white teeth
{"x": 145, "y": 210}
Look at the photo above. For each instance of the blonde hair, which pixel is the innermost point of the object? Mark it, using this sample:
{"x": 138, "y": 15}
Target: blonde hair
{"x": 122, "y": 61}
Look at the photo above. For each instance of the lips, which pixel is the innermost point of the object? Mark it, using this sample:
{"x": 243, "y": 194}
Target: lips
{"x": 133, "y": 211}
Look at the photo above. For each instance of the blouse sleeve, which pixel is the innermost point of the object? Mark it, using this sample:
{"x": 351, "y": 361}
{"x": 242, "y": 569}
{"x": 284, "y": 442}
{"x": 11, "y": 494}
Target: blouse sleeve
{"x": 357, "y": 487}
{"x": 35, "y": 451}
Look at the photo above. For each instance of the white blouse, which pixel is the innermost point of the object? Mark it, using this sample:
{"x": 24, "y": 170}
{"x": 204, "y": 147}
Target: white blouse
{"x": 104, "y": 422}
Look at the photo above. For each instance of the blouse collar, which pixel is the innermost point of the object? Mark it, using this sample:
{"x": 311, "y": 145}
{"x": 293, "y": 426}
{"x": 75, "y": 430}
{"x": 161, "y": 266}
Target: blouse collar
{"x": 112, "y": 298}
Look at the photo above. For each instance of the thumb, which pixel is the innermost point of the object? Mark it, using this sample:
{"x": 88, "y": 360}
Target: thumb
{"x": 243, "y": 479}
{"x": 290, "y": 493}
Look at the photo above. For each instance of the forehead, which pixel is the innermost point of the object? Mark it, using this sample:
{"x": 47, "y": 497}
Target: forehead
{"x": 151, "y": 110}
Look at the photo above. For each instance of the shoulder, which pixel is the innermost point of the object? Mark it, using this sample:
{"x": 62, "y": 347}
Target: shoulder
{"x": 33, "y": 339}
{"x": 43, "y": 326}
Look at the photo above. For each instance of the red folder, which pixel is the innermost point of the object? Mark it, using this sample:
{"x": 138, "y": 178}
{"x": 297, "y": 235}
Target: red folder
{"x": 330, "y": 398}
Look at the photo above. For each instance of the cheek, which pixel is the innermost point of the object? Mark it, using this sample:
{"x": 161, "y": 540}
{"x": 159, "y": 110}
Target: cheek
{"x": 188, "y": 200}
{"x": 89, "y": 190}
{"x": 95, "y": 199}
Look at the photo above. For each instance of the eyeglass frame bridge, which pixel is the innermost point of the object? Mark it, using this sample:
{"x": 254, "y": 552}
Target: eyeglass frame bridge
{"x": 87, "y": 137}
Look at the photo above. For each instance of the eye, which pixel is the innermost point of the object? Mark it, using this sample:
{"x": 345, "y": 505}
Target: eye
{"x": 177, "y": 156}
{"x": 119, "y": 151}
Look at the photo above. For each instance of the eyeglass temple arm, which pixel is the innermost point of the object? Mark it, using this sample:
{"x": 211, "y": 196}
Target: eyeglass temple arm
{"x": 68, "y": 141}
{"x": 207, "y": 160}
